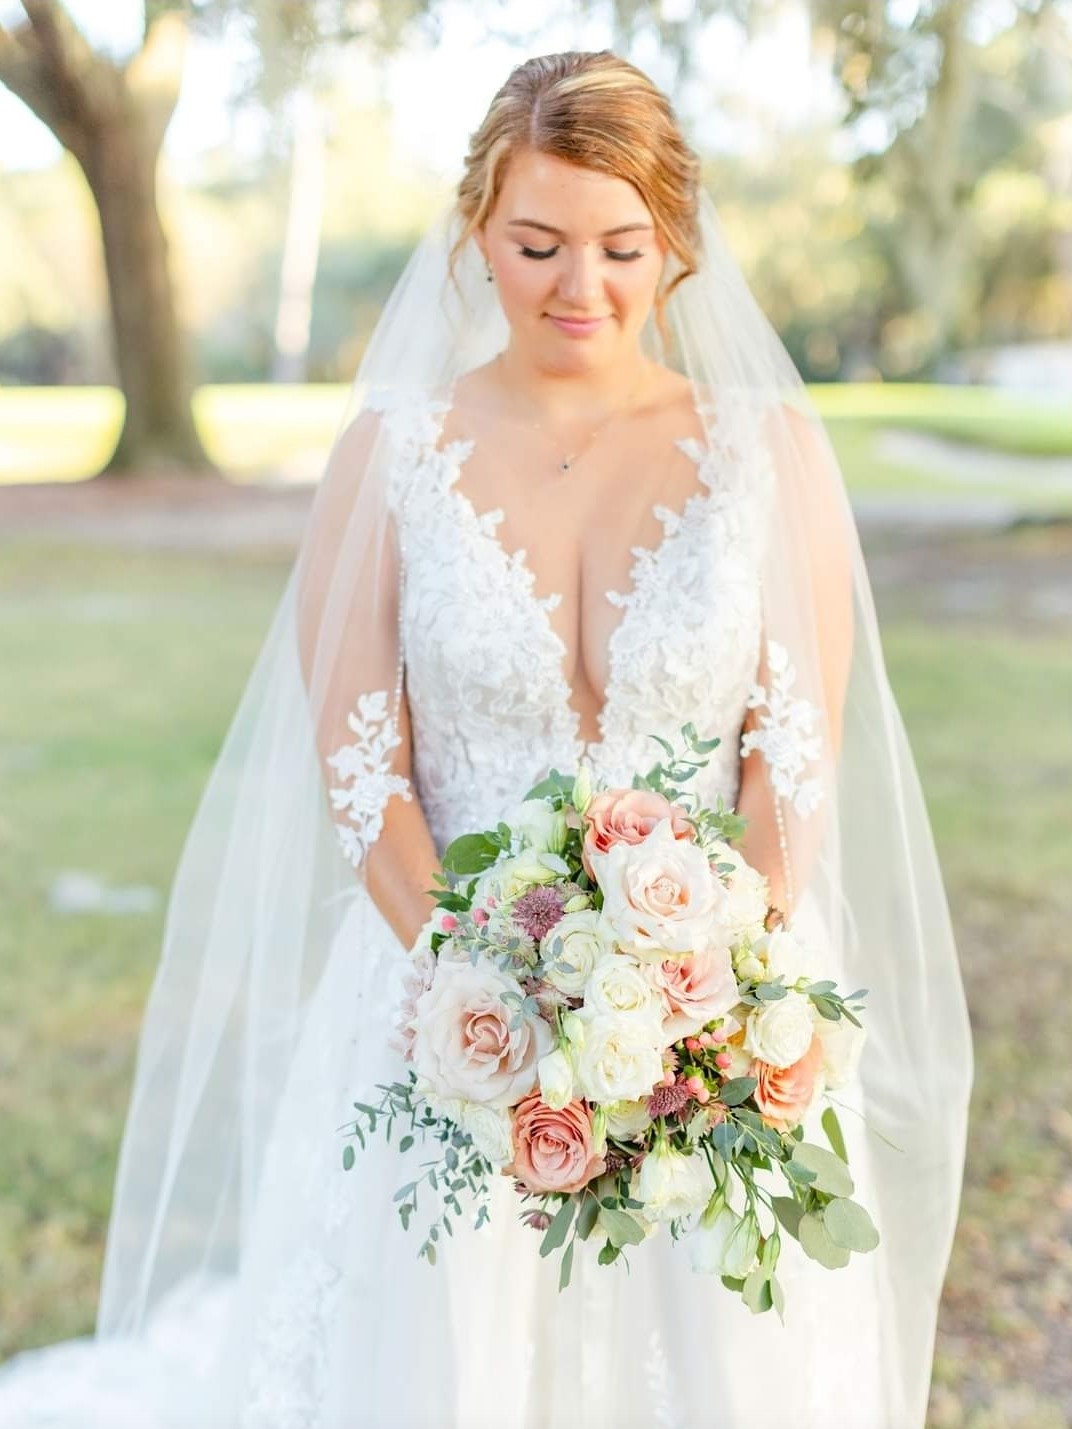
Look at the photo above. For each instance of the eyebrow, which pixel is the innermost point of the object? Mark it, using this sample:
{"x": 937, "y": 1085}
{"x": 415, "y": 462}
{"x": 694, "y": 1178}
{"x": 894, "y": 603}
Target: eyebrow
{"x": 609, "y": 233}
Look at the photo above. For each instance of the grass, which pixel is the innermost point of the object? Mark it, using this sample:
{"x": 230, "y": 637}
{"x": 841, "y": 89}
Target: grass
{"x": 122, "y": 671}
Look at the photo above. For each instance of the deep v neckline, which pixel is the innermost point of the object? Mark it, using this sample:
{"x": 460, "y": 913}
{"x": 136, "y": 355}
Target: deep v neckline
{"x": 644, "y": 568}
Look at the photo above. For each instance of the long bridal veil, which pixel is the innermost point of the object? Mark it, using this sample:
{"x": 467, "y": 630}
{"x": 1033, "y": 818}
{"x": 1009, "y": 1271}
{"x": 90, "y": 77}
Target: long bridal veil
{"x": 285, "y": 828}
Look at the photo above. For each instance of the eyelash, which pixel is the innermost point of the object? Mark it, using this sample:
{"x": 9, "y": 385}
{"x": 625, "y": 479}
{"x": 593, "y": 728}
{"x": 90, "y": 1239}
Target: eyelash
{"x": 550, "y": 253}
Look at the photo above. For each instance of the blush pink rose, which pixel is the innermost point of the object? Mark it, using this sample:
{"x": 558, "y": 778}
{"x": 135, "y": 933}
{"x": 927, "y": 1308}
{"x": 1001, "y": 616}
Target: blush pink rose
{"x": 553, "y": 1149}
{"x": 628, "y": 816}
{"x": 695, "y": 988}
{"x": 784, "y": 1094}
{"x": 466, "y": 1044}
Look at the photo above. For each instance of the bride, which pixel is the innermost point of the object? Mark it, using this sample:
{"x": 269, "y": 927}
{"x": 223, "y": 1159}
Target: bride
{"x": 580, "y": 499}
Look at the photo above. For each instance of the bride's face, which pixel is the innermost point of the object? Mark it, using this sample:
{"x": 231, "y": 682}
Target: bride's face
{"x": 577, "y": 260}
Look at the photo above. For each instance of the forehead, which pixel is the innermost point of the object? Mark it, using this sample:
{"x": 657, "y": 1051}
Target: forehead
{"x": 573, "y": 199}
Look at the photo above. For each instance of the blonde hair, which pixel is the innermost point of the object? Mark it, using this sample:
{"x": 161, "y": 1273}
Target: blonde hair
{"x": 596, "y": 110}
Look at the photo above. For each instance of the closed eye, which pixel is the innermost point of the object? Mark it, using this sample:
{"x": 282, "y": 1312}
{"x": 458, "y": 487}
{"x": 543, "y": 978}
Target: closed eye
{"x": 539, "y": 253}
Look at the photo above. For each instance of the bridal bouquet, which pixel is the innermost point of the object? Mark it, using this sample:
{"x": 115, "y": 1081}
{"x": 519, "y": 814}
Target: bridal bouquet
{"x": 605, "y": 1008}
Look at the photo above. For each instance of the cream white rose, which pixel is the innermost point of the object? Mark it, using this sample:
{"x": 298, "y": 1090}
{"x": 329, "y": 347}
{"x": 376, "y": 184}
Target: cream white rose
{"x": 556, "y": 1079}
{"x": 571, "y": 950}
{"x": 618, "y": 1059}
{"x": 619, "y": 987}
{"x": 779, "y": 1033}
{"x": 785, "y": 955}
{"x": 672, "y": 1184}
{"x": 465, "y": 1043}
{"x": 842, "y": 1045}
{"x": 491, "y": 1130}
{"x": 660, "y": 895}
{"x": 627, "y": 1119}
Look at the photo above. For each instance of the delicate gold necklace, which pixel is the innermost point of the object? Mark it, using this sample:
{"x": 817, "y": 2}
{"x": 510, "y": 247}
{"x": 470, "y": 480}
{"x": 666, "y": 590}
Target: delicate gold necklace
{"x": 570, "y": 460}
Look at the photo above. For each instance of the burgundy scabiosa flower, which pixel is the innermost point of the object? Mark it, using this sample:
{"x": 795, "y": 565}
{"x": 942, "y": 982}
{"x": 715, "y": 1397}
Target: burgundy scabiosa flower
{"x": 668, "y": 1101}
{"x": 538, "y": 910}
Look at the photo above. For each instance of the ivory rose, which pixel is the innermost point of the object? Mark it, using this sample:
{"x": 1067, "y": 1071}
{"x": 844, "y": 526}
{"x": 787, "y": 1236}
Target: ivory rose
{"x": 784, "y": 1094}
{"x": 842, "y": 1044}
{"x": 465, "y": 1044}
{"x": 780, "y": 1032}
{"x": 618, "y": 986}
{"x": 696, "y": 989}
{"x": 553, "y": 1147}
{"x": 747, "y": 889}
{"x": 660, "y": 896}
{"x": 571, "y": 949}
{"x": 628, "y": 816}
{"x": 618, "y": 1058}
{"x": 672, "y": 1184}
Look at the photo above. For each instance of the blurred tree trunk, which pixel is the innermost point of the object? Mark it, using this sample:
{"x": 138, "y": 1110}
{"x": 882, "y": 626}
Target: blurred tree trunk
{"x": 301, "y": 246}
{"x": 112, "y": 118}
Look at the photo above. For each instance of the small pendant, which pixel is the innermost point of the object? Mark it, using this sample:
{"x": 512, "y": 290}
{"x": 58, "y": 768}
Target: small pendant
{"x": 565, "y": 465}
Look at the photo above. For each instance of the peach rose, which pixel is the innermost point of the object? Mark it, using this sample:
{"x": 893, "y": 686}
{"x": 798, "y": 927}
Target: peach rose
{"x": 696, "y": 989}
{"x": 784, "y": 1094}
{"x": 553, "y": 1149}
{"x": 628, "y": 816}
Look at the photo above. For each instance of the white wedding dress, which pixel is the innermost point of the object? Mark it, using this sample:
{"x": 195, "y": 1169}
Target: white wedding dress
{"x": 333, "y": 1321}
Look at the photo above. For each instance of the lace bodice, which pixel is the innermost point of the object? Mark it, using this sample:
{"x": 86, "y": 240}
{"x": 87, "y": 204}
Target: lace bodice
{"x": 488, "y": 697}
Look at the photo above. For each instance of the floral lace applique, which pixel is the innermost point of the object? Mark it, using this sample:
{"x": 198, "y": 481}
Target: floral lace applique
{"x": 785, "y": 737}
{"x": 365, "y": 766}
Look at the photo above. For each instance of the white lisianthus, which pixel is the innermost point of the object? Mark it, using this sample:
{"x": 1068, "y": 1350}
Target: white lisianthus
{"x": 779, "y": 1033}
{"x": 619, "y": 987}
{"x": 541, "y": 826}
{"x": 571, "y": 950}
{"x": 491, "y": 1130}
{"x": 672, "y": 1184}
{"x": 627, "y": 1119}
{"x": 572, "y": 1029}
{"x": 620, "y": 1059}
{"x": 582, "y": 789}
{"x": 514, "y": 876}
{"x": 709, "y": 1240}
{"x": 748, "y": 890}
{"x": 556, "y": 1079}
{"x": 842, "y": 1045}
{"x": 742, "y": 1245}
{"x": 747, "y": 966}
{"x": 660, "y": 896}
{"x": 599, "y": 1132}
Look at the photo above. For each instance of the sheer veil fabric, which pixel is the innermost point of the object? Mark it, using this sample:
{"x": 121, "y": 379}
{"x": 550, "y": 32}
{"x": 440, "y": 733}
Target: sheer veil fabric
{"x": 267, "y": 877}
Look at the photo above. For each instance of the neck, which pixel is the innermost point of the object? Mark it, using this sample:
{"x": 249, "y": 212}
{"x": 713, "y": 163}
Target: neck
{"x": 565, "y": 397}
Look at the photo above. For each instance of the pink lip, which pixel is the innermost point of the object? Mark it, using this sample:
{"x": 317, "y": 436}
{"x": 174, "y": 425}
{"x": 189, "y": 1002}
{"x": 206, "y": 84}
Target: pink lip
{"x": 577, "y": 327}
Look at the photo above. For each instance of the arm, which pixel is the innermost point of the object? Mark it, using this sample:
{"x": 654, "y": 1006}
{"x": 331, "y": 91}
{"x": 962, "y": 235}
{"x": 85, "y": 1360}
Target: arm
{"x": 348, "y": 609}
{"x": 784, "y": 834}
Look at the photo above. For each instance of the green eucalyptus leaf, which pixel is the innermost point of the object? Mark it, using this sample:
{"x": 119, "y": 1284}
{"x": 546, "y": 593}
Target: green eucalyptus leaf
{"x": 566, "y": 1268}
{"x": 737, "y": 1090}
{"x": 556, "y": 1231}
{"x": 831, "y": 1173}
{"x": 817, "y": 1243}
{"x": 832, "y": 1127}
{"x": 348, "y": 1158}
{"x": 849, "y": 1225}
{"x": 789, "y": 1213}
{"x": 622, "y": 1228}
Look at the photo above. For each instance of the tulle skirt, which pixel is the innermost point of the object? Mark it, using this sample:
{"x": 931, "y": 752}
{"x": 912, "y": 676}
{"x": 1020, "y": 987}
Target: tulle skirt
{"x": 333, "y": 1322}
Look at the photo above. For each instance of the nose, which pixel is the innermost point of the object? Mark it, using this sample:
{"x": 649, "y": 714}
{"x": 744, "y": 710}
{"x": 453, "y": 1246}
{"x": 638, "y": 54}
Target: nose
{"x": 579, "y": 280}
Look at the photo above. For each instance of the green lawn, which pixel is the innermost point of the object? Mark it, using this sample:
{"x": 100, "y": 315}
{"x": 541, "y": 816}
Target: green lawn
{"x": 121, "y": 672}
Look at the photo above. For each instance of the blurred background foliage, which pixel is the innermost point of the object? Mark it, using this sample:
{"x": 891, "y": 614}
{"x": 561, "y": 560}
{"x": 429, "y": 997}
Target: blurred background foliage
{"x": 919, "y": 216}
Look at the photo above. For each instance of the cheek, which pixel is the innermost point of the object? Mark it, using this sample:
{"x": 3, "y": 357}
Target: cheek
{"x": 634, "y": 289}
{"x": 523, "y": 284}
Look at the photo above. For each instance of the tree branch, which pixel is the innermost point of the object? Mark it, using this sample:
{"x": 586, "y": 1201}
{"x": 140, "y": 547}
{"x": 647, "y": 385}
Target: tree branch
{"x": 49, "y": 65}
